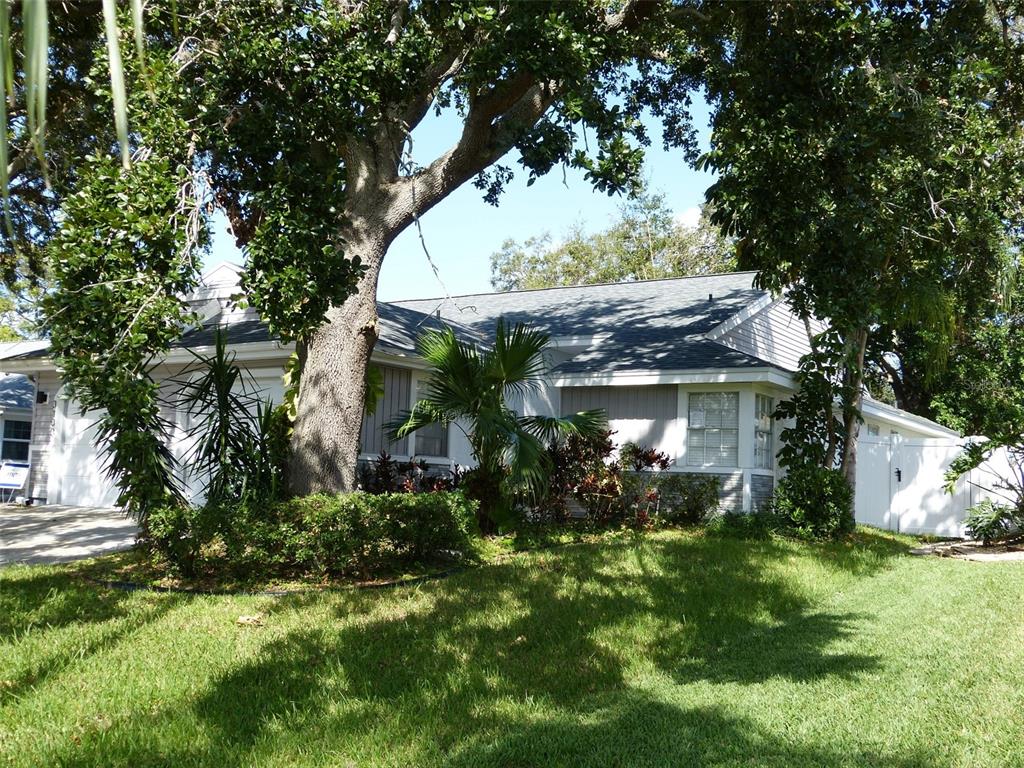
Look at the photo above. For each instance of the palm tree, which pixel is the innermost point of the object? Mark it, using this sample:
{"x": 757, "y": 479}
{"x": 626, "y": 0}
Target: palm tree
{"x": 470, "y": 387}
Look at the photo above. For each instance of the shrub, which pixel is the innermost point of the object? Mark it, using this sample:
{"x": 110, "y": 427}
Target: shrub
{"x": 816, "y": 502}
{"x": 179, "y": 533}
{"x": 988, "y": 521}
{"x": 579, "y": 470}
{"x": 387, "y": 475}
{"x": 639, "y": 458}
{"x": 356, "y": 534}
{"x": 650, "y": 498}
{"x": 759, "y": 525}
{"x": 687, "y": 499}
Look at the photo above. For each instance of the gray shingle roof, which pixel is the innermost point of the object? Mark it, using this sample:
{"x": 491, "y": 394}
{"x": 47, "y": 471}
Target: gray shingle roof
{"x": 16, "y": 391}
{"x": 647, "y": 326}
{"x": 650, "y": 325}
{"x": 399, "y": 329}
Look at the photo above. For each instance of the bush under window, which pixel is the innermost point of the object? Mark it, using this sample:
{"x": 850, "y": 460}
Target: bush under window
{"x": 816, "y": 502}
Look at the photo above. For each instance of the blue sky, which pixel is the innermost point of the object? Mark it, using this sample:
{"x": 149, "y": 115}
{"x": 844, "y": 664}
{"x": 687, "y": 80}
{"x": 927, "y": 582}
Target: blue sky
{"x": 463, "y": 231}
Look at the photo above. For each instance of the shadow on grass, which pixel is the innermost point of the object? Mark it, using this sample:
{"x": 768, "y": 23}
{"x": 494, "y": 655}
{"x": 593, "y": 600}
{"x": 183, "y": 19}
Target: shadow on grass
{"x": 441, "y": 670}
{"x": 42, "y": 599}
{"x": 640, "y": 731}
{"x": 32, "y": 596}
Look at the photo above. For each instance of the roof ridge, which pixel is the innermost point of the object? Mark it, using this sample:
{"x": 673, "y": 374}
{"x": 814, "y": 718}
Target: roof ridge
{"x": 569, "y": 287}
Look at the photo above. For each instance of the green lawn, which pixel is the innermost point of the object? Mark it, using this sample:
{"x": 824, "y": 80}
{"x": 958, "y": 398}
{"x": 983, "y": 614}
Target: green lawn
{"x": 677, "y": 649}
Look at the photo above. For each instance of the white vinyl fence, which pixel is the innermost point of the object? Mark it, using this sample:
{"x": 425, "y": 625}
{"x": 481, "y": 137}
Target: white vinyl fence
{"x": 901, "y": 484}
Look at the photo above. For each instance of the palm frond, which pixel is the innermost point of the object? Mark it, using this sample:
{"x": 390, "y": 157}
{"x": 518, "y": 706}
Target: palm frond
{"x": 528, "y": 463}
{"x": 139, "y": 31}
{"x": 7, "y": 83}
{"x": 37, "y": 34}
{"x": 117, "y": 89}
{"x": 517, "y": 360}
{"x": 551, "y": 428}
{"x": 456, "y": 380}
{"x": 423, "y": 414}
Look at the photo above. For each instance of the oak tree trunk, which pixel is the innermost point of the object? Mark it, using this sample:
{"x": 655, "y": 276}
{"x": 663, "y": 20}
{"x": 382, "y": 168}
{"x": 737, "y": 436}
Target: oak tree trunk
{"x": 332, "y": 388}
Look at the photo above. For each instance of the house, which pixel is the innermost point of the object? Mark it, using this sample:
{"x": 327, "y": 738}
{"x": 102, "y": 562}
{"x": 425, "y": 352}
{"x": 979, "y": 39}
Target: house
{"x": 691, "y": 366}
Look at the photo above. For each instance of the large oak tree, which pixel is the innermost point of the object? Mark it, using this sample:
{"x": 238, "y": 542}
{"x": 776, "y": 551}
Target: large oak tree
{"x": 298, "y": 120}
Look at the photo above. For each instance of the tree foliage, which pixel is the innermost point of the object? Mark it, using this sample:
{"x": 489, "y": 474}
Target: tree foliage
{"x": 296, "y": 120}
{"x": 865, "y": 153}
{"x": 646, "y": 242}
{"x": 884, "y": 166}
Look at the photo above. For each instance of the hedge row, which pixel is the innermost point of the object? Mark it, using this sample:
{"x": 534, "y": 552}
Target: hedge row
{"x": 355, "y": 534}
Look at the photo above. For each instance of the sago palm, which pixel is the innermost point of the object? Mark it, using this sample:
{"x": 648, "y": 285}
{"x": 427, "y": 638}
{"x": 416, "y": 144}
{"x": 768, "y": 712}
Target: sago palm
{"x": 470, "y": 387}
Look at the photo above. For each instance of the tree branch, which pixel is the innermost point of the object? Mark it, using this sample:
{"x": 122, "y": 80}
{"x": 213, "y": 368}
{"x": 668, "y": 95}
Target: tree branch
{"x": 397, "y": 22}
{"x": 482, "y": 142}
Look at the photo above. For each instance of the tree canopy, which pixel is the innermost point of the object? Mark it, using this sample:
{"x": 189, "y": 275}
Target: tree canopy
{"x": 867, "y": 154}
{"x": 646, "y": 242}
{"x": 870, "y": 158}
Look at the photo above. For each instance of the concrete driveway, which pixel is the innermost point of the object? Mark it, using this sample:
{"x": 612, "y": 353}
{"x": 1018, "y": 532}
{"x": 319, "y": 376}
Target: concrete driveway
{"x": 55, "y": 534}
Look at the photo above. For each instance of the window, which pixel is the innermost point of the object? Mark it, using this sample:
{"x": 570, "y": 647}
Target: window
{"x": 712, "y": 437}
{"x": 872, "y": 430}
{"x": 432, "y": 440}
{"x": 16, "y": 438}
{"x": 764, "y": 450}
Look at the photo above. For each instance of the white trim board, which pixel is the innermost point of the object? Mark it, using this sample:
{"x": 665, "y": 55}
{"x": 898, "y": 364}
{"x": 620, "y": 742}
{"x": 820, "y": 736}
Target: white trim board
{"x": 708, "y": 376}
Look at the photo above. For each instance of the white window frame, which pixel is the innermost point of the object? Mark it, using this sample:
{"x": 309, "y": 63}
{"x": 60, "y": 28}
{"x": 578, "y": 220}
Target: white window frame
{"x": 764, "y": 425}
{"x": 700, "y": 459}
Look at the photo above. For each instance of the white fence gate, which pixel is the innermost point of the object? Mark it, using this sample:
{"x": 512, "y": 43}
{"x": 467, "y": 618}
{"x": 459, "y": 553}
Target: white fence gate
{"x": 900, "y": 485}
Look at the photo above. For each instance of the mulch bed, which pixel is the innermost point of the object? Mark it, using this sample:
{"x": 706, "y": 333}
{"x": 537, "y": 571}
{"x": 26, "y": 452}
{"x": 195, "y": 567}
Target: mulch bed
{"x": 1000, "y": 551}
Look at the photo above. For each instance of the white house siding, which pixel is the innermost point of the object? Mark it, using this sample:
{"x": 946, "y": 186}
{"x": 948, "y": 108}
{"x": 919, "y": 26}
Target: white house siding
{"x": 774, "y": 334}
{"x": 42, "y": 434}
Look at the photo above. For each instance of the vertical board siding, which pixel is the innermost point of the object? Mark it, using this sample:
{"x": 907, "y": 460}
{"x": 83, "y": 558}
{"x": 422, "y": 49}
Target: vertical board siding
{"x": 397, "y": 398}
{"x": 42, "y": 434}
{"x": 656, "y": 403}
{"x": 642, "y": 415}
{"x": 774, "y": 334}
{"x": 761, "y": 489}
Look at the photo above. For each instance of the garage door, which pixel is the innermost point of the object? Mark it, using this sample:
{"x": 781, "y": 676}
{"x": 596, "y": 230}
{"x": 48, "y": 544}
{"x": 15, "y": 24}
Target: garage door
{"x": 77, "y": 471}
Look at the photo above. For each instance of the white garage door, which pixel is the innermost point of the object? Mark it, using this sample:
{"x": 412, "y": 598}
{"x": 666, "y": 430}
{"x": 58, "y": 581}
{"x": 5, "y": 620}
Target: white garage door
{"x": 78, "y": 474}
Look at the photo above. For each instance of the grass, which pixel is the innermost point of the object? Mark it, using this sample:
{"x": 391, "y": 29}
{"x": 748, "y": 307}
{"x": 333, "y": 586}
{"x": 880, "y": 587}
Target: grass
{"x": 675, "y": 649}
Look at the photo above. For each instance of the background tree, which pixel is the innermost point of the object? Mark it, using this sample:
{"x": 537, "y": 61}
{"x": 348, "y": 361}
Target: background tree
{"x": 646, "y": 242}
{"x": 883, "y": 165}
{"x": 901, "y": 360}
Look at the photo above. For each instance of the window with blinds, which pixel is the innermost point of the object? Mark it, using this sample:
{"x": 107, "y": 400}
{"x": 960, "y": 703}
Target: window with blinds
{"x": 764, "y": 448}
{"x": 432, "y": 440}
{"x": 712, "y": 437}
